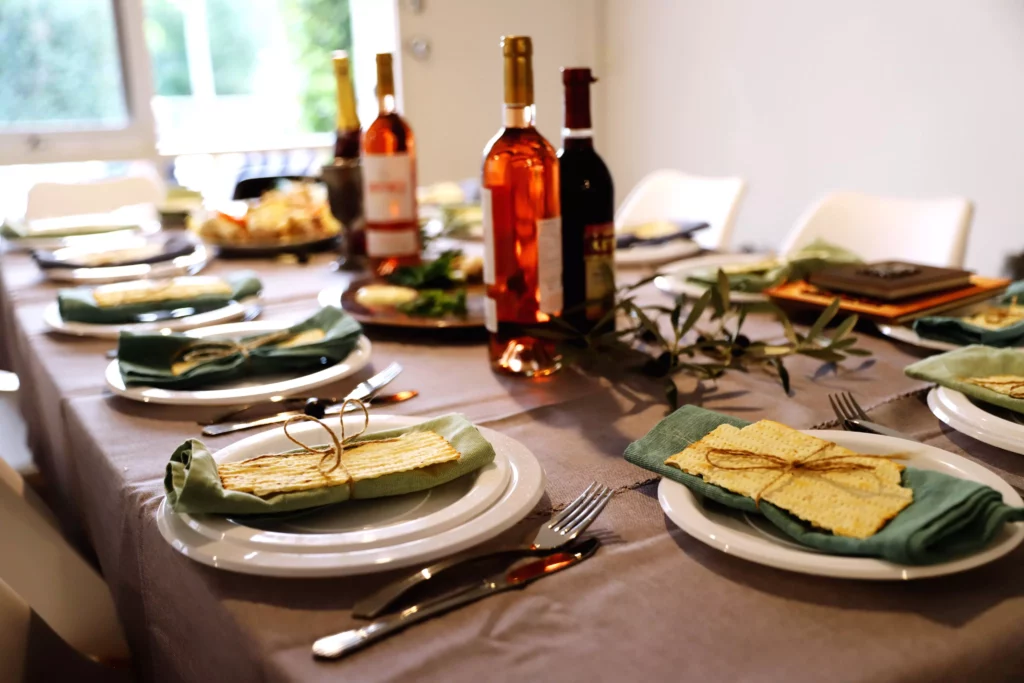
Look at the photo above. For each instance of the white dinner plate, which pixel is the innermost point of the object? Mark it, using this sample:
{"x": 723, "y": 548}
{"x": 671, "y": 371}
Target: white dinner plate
{"x": 364, "y": 536}
{"x": 244, "y": 389}
{"x": 225, "y": 314}
{"x": 186, "y": 264}
{"x": 958, "y": 411}
{"x": 907, "y": 335}
{"x": 754, "y": 538}
{"x": 655, "y": 254}
{"x": 673, "y": 278}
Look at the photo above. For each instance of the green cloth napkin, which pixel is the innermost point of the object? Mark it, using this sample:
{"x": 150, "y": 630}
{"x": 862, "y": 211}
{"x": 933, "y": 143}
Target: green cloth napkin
{"x": 949, "y": 517}
{"x": 147, "y": 359}
{"x": 78, "y": 305}
{"x": 193, "y": 485}
{"x": 956, "y": 331}
{"x": 949, "y": 369}
{"x": 815, "y": 256}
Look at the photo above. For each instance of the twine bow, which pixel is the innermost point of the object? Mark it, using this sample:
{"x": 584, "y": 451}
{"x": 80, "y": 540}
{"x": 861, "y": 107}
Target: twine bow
{"x": 334, "y": 449}
{"x": 1014, "y": 388}
{"x": 206, "y": 350}
{"x": 831, "y": 463}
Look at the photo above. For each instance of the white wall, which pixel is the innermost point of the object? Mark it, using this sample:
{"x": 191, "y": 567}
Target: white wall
{"x": 904, "y": 97}
{"x": 453, "y": 99}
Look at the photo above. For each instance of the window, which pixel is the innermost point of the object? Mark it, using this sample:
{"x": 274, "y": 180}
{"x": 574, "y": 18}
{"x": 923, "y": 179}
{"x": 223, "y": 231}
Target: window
{"x": 237, "y": 75}
{"x": 121, "y": 79}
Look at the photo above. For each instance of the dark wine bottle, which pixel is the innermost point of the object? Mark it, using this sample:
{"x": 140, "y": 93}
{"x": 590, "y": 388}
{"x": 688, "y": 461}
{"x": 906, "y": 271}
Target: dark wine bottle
{"x": 588, "y": 208}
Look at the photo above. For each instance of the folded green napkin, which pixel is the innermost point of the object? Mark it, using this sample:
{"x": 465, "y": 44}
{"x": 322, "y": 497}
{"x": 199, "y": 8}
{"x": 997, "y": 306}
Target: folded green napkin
{"x": 815, "y": 256}
{"x": 193, "y": 485}
{"x": 956, "y": 331}
{"x": 949, "y": 517}
{"x": 78, "y": 305}
{"x": 951, "y": 368}
{"x": 148, "y": 359}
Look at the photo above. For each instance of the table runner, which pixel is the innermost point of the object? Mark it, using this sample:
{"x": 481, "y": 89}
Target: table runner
{"x": 653, "y": 603}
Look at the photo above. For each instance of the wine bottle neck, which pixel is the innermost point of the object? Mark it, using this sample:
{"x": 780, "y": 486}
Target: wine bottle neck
{"x": 385, "y": 103}
{"x": 577, "y": 138}
{"x": 518, "y": 115}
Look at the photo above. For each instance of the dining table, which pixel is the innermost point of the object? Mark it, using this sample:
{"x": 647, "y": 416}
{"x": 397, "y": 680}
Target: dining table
{"x": 653, "y": 604}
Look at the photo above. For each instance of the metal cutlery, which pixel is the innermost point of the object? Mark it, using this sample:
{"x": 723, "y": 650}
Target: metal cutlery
{"x": 516, "y": 576}
{"x": 316, "y": 406}
{"x": 561, "y": 529}
{"x": 364, "y": 391}
{"x": 853, "y": 418}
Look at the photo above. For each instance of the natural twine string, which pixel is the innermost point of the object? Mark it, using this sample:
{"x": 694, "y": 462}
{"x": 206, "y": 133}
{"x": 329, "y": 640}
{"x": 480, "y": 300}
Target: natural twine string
{"x": 207, "y": 350}
{"x": 337, "y": 446}
{"x": 795, "y": 467}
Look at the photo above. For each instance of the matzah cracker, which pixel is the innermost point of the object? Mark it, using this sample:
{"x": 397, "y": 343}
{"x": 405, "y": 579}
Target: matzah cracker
{"x": 854, "y": 503}
{"x": 269, "y": 474}
{"x": 996, "y": 318}
{"x": 1007, "y": 385}
{"x": 152, "y": 291}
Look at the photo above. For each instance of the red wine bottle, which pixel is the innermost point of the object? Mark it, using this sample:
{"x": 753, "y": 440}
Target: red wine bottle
{"x": 588, "y": 208}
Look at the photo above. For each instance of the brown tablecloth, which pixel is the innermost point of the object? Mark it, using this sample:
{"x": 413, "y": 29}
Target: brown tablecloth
{"x": 654, "y": 603}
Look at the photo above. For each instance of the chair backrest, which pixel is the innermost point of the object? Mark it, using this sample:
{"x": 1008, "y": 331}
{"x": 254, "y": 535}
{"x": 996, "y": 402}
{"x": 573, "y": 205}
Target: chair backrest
{"x": 31, "y": 652}
{"x": 54, "y": 200}
{"x": 39, "y": 565}
{"x": 929, "y": 231}
{"x": 673, "y": 195}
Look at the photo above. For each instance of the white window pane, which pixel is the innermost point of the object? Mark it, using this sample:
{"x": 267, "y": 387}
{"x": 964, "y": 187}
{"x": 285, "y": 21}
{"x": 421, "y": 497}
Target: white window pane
{"x": 243, "y": 74}
{"x": 60, "y": 66}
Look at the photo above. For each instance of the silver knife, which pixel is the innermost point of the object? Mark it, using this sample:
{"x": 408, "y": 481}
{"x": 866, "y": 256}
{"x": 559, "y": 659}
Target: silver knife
{"x": 875, "y": 428}
{"x": 362, "y": 392}
{"x": 517, "y": 576}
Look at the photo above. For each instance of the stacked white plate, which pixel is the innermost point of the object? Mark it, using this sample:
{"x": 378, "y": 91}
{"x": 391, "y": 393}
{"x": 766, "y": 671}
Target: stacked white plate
{"x": 1002, "y": 429}
{"x": 365, "y": 536}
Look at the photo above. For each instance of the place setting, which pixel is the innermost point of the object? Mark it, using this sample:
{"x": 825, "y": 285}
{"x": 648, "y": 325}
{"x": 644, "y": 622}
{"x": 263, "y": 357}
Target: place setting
{"x": 154, "y": 305}
{"x": 133, "y": 257}
{"x": 842, "y": 504}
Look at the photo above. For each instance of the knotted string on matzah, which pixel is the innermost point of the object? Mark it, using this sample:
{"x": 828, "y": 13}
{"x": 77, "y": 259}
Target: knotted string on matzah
{"x": 208, "y": 350}
{"x": 800, "y": 465}
{"x": 337, "y": 446}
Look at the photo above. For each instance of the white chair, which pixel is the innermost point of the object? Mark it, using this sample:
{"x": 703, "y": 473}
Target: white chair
{"x": 55, "y": 200}
{"x": 929, "y": 231}
{"x": 672, "y": 195}
{"x": 41, "y": 572}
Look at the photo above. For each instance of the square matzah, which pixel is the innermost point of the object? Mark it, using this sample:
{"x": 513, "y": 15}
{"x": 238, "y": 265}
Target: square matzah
{"x": 854, "y": 503}
{"x": 269, "y": 474}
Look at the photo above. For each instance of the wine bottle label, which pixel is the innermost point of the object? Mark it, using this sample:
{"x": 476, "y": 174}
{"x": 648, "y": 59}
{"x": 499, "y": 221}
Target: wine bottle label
{"x": 387, "y": 243}
{"x": 599, "y": 267}
{"x": 491, "y": 315}
{"x": 549, "y": 264}
{"x": 488, "y": 218}
{"x": 389, "y": 193}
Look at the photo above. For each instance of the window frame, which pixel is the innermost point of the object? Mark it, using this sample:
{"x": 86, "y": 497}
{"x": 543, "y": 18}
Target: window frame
{"x": 136, "y": 140}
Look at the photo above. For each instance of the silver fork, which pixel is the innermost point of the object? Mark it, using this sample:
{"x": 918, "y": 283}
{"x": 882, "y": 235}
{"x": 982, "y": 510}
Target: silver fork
{"x": 853, "y": 418}
{"x": 561, "y": 529}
